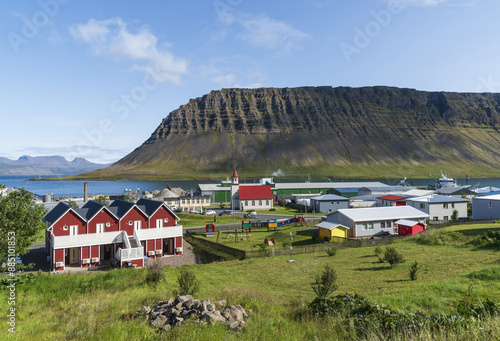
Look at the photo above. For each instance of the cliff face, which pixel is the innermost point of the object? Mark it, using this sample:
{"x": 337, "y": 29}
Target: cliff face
{"x": 308, "y": 127}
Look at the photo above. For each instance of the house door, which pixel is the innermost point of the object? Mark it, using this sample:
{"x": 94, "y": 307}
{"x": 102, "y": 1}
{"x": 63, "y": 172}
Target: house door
{"x": 74, "y": 255}
{"x": 106, "y": 252}
{"x": 168, "y": 246}
{"x": 137, "y": 225}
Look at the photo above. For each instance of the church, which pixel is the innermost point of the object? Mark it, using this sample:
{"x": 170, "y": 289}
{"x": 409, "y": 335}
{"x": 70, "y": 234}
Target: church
{"x": 250, "y": 196}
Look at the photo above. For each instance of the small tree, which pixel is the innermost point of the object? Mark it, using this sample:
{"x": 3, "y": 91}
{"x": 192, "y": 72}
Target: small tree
{"x": 454, "y": 215}
{"x": 21, "y": 219}
{"x": 128, "y": 198}
{"x": 102, "y": 200}
{"x": 393, "y": 257}
{"x": 73, "y": 204}
{"x": 331, "y": 251}
{"x": 188, "y": 284}
{"x": 155, "y": 273}
{"x": 414, "y": 267}
{"x": 325, "y": 284}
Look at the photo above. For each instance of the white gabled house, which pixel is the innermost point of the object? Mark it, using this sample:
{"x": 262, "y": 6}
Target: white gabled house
{"x": 440, "y": 207}
{"x": 375, "y": 221}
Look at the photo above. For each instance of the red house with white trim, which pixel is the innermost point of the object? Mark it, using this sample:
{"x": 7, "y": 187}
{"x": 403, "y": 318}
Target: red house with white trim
{"x": 251, "y": 197}
{"x": 124, "y": 232}
{"x": 409, "y": 227}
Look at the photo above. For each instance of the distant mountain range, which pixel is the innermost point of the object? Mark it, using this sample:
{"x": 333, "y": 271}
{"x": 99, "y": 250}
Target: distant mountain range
{"x": 46, "y": 165}
{"x": 328, "y": 132}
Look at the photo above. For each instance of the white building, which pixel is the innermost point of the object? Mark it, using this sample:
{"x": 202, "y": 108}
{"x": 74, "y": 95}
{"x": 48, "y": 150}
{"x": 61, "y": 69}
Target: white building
{"x": 439, "y": 207}
{"x": 373, "y": 221}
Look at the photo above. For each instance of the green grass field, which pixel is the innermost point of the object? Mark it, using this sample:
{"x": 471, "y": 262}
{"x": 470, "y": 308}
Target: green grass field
{"x": 89, "y": 306}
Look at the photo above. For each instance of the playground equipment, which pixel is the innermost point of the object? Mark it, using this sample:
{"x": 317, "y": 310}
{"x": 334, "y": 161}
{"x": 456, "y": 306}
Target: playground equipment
{"x": 272, "y": 223}
{"x": 210, "y": 229}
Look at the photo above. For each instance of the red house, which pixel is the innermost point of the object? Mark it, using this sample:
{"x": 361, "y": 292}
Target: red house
{"x": 409, "y": 227}
{"x": 391, "y": 200}
{"x": 123, "y": 233}
{"x": 258, "y": 197}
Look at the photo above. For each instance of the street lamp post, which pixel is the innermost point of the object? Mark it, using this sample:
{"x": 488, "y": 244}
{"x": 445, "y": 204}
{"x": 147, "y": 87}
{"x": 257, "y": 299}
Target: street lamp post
{"x": 290, "y": 260}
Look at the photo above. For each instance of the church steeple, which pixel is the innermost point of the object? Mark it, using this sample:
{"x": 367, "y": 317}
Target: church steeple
{"x": 234, "y": 178}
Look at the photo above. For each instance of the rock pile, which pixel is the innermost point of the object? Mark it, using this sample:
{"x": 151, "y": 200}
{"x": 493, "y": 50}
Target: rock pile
{"x": 176, "y": 312}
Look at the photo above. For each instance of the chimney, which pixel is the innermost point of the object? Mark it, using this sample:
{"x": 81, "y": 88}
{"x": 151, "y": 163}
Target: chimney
{"x": 85, "y": 192}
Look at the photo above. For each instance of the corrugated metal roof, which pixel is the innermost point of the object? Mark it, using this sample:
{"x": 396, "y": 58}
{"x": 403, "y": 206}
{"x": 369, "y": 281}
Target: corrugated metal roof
{"x": 330, "y": 226}
{"x": 488, "y": 197}
{"x": 303, "y": 185}
{"x": 392, "y": 197}
{"x": 382, "y": 213}
{"x": 435, "y": 198}
{"x": 407, "y": 222}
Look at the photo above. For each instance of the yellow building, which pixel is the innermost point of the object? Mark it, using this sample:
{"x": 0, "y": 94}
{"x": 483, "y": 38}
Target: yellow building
{"x": 328, "y": 231}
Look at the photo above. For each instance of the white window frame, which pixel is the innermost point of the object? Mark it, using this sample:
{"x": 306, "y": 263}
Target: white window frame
{"x": 137, "y": 225}
{"x": 159, "y": 223}
{"x": 99, "y": 228}
{"x": 73, "y": 230}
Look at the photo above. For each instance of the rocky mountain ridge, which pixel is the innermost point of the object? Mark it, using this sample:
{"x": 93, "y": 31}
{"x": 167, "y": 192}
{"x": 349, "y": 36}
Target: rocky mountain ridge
{"x": 294, "y": 129}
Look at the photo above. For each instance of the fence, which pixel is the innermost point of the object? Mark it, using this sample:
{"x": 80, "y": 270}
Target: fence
{"x": 340, "y": 243}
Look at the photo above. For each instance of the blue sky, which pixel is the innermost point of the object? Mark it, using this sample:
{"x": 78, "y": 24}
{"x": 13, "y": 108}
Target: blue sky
{"x": 94, "y": 79}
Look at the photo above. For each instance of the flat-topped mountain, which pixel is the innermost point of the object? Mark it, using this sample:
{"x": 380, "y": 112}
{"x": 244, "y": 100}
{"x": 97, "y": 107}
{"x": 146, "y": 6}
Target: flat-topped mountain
{"x": 370, "y": 131}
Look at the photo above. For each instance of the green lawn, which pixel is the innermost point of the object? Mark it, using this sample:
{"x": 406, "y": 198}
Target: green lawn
{"x": 89, "y": 306}
{"x": 193, "y": 220}
{"x": 254, "y": 239}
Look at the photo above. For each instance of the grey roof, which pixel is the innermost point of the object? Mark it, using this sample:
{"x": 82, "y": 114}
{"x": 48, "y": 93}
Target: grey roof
{"x": 330, "y": 197}
{"x": 120, "y": 207}
{"x": 330, "y": 226}
{"x": 388, "y": 188}
{"x": 57, "y": 212}
{"x": 90, "y": 209}
{"x": 346, "y": 189}
{"x": 149, "y": 206}
{"x": 435, "y": 198}
{"x": 382, "y": 213}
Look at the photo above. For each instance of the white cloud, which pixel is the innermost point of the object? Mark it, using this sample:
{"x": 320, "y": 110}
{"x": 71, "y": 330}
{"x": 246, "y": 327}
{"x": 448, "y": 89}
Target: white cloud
{"x": 263, "y": 31}
{"x": 112, "y": 38}
{"x": 429, "y": 3}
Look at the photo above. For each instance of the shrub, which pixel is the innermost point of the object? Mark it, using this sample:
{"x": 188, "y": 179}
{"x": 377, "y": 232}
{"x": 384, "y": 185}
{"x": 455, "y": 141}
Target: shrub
{"x": 325, "y": 284}
{"x": 332, "y": 251}
{"x": 393, "y": 257}
{"x": 488, "y": 239}
{"x": 414, "y": 267}
{"x": 272, "y": 209}
{"x": 188, "y": 284}
{"x": 378, "y": 250}
{"x": 155, "y": 273}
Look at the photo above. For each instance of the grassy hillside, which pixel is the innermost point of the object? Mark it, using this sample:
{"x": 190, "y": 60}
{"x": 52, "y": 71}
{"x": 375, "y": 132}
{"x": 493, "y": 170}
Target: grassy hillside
{"x": 89, "y": 306}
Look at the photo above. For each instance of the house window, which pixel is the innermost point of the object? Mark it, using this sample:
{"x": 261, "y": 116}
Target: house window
{"x": 253, "y": 202}
{"x": 159, "y": 223}
{"x": 422, "y": 205}
{"x": 267, "y": 202}
{"x": 260, "y": 202}
{"x": 183, "y": 201}
{"x": 452, "y": 205}
{"x": 73, "y": 230}
{"x": 99, "y": 228}
{"x": 445, "y": 218}
{"x": 369, "y": 226}
{"x": 65, "y": 228}
{"x": 329, "y": 210}
{"x": 331, "y": 202}
{"x": 435, "y": 218}
{"x": 491, "y": 205}
{"x": 388, "y": 224}
{"x": 246, "y": 202}
{"x": 382, "y": 224}
{"x": 337, "y": 202}
{"x": 197, "y": 201}
{"x": 363, "y": 226}
{"x": 445, "y": 205}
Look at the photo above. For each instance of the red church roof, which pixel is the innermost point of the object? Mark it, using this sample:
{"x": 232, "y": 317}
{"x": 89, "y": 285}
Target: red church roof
{"x": 235, "y": 175}
{"x": 255, "y": 192}
{"x": 392, "y": 197}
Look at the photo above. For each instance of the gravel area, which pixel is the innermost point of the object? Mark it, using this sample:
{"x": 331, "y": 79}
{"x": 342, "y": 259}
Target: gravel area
{"x": 187, "y": 257}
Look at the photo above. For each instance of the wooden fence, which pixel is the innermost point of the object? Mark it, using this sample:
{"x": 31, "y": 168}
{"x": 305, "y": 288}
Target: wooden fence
{"x": 338, "y": 242}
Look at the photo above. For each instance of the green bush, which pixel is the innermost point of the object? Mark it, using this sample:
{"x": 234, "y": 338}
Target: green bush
{"x": 414, "y": 268}
{"x": 392, "y": 256}
{"x": 325, "y": 284}
{"x": 332, "y": 251}
{"x": 488, "y": 239}
{"x": 155, "y": 273}
{"x": 378, "y": 250}
{"x": 434, "y": 237}
{"x": 272, "y": 209}
{"x": 188, "y": 284}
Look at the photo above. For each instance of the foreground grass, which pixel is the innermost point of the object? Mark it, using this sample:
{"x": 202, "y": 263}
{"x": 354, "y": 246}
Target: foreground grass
{"x": 89, "y": 306}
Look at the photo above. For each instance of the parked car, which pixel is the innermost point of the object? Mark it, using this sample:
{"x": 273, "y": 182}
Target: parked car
{"x": 195, "y": 212}
{"x": 252, "y": 214}
{"x": 210, "y": 212}
{"x": 5, "y": 263}
{"x": 225, "y": 212}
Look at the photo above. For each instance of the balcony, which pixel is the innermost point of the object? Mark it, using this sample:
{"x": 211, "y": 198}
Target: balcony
{"x": 160, "y": 233}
